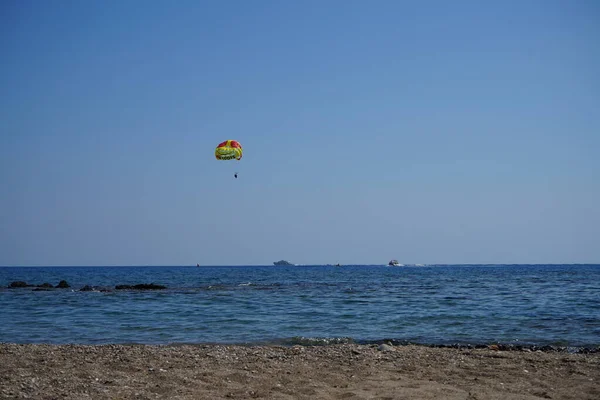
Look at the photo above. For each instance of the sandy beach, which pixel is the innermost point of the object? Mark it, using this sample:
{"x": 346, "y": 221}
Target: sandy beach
{"x": 346, "y": 371}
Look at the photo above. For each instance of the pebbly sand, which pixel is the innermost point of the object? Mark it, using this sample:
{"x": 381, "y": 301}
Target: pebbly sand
{"x": 346, "y": 371}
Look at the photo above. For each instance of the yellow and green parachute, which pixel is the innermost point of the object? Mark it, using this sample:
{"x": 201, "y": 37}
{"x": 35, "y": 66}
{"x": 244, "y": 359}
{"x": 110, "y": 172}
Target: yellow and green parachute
{"x": 229, "y": 150}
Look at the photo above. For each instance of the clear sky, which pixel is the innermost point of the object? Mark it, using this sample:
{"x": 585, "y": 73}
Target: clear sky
{"x": 426, "y": 131}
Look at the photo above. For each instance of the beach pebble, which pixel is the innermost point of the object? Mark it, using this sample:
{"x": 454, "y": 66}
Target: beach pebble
{"x": 385, "y": 347}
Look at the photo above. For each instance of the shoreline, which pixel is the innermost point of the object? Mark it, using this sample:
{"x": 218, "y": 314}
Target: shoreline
{"x": 501, "y": 346}
{"x": 302, "y": 341}
{"x": 333, "y": 371}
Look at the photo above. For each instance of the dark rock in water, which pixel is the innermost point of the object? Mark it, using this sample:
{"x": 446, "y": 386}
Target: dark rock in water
{"x": 45, "y": 285}
{"x": 63, "y": 285}
{"x": 18, "y": 284}
{"x": 88, "y": 288}
{"x": 141, "y": 286}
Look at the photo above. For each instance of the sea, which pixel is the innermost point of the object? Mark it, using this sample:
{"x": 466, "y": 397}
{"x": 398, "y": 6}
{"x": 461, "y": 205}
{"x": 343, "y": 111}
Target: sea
{"x": 445, "y": 305}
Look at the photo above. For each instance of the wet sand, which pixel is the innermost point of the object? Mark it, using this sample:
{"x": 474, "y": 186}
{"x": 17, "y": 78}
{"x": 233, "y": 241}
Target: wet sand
{"x": 346, "y": 371}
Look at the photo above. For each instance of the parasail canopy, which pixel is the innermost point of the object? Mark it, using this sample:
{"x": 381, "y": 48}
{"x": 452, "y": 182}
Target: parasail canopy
{"x": 229, "y": 150}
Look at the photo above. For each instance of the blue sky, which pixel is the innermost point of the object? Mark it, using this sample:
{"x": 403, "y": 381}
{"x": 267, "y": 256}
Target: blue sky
{"x": 427, "y": 131}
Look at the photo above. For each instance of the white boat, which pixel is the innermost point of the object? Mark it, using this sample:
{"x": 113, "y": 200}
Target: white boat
{"x": 395, "y": 263}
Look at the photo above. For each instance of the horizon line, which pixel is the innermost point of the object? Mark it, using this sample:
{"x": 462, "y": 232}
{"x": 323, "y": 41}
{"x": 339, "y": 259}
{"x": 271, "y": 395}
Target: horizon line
{"x": 271, "y": 265}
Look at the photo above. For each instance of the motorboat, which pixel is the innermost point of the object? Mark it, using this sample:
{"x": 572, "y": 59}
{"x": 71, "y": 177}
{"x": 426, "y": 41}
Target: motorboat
{"x": 395, "y": 263}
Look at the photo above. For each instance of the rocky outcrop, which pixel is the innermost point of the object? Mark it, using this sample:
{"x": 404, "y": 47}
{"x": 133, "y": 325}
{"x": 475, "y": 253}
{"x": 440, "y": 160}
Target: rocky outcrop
{"x": 43, "y": 286}
{"x": 89, "y": 288}
{"x": 141, "y": 286}
{"x": 18, "y": 284}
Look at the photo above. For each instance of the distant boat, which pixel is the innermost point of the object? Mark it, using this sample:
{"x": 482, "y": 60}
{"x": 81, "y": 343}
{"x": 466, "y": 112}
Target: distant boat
{"x": 395, "y": 263}
{"x": 282, "y": 262}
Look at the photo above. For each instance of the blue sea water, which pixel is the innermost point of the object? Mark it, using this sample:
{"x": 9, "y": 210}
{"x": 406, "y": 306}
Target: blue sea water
{"x": 444, "y": 304}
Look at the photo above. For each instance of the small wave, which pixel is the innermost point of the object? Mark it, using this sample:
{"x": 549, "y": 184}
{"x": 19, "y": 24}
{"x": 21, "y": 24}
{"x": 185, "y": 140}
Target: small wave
{"x": 315, "y": 341}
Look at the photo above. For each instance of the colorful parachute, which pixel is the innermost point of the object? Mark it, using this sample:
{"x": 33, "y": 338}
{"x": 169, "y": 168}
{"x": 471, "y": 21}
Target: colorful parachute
{"x": 229, "y": 150}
